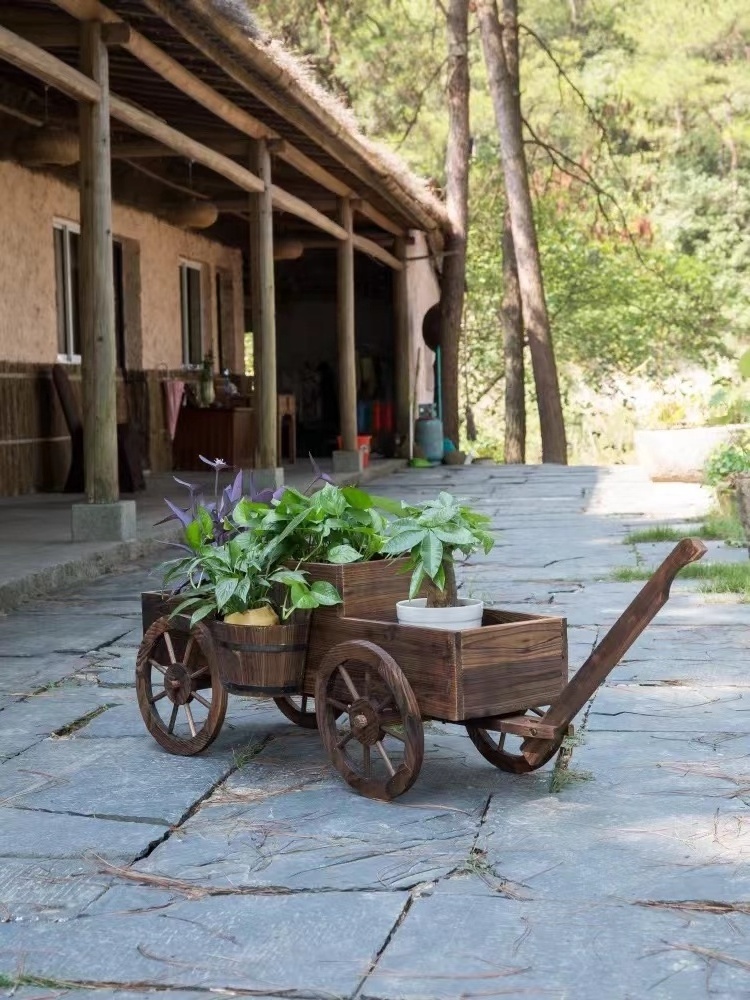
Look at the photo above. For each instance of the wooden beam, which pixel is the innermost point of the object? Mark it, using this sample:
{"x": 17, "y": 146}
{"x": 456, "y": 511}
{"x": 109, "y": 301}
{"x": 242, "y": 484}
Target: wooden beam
{"x": 402, "y": 345}
{"x": 156, "y": 129}
{"x": 372, "y": 213}
{"x": 31, "y": 59}
{"x": 264, "y": 308}
{"x": 286, "y": 202}
{"x": 173, "y": 72}
{"x": 347, "y": 332}
{"x": 98, "y": 350}
{"x": 377, "y": 252}
{"x": 255, "y": 85}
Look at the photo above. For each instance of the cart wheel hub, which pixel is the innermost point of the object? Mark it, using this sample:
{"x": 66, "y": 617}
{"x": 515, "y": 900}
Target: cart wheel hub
{"x": 178, "y": 684}
{"x": 364, "y": 722}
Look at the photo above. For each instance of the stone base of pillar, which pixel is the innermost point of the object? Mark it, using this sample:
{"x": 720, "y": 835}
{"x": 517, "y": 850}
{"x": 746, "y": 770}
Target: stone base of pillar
{"x": 103, "y": 522}
{"x": 347, "y": 461}
{"x": 263, "y": 479}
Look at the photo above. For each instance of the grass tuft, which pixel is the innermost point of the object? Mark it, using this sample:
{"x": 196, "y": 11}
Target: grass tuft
{"x": 717, "y": 578}
{"x": 659, "y": 533}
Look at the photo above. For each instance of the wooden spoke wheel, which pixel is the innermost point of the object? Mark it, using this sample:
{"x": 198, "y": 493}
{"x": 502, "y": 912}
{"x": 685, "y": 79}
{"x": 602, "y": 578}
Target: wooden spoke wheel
{"x": 369, "y": 719}
{"x": 299, "y": 709}
{"x": 504, "y": 749}
{"x": 180, "y": 695}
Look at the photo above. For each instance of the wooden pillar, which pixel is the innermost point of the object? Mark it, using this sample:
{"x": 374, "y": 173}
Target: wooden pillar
{"x": 402, "y": 342}
{"x": 97, "y": 303}
{"x": 346, "y": 331}
{"x": 264, "y": 308}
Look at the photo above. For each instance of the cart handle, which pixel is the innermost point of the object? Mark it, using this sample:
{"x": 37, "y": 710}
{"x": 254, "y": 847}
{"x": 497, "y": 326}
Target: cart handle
{"x": 615, "y": 644}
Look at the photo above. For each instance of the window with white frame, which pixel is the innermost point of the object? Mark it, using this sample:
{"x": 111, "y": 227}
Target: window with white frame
{"x": 66, "y": 235}
{"x": 191, "y": 301}
{"x": 67, "y": 265}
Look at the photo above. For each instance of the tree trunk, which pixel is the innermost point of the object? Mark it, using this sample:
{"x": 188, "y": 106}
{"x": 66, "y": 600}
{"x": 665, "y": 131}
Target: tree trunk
{"x": 448, "y": 596}
{"x": 512, "y": 324}
{"x": 507, "y": 105}
{"x": 453, "y": 279}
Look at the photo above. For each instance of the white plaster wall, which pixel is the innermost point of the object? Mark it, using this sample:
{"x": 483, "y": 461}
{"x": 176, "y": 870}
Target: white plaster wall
{"x": 29, "y": 203}
{"x": 424, "y": 292}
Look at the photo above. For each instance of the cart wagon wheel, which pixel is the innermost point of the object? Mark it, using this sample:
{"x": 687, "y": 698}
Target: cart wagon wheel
{"x": 178, "y": 670}
{"x": 378, "y": 743}
{"x": 503, "y": 749}
{"x": 299, "y": 709}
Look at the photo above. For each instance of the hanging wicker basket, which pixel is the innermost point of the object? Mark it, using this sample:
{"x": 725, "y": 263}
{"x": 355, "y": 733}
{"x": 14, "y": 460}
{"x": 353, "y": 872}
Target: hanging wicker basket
{"x": 262, "y": 660}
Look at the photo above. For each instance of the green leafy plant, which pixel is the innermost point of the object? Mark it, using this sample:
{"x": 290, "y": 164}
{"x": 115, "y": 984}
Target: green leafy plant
{"x": 729, "y": 460}
{"x": 334, "y": 524}
{"x": 431, "y": 534}
{"x": 239, "y": 575}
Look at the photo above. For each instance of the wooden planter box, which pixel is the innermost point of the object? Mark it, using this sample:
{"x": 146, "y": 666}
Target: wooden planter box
{"x": 513, "y": 661}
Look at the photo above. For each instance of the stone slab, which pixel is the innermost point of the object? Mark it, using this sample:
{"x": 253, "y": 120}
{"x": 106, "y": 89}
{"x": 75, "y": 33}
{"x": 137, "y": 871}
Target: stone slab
{"x": 27, "y": 833}
{"x": 25, "y": 723}
{"x": 76, "y": 630}
{"x": 47, "y": 890}
{"x": 299, "y": 841}
{"x": 137, "y": 781}
{"x": 20, "y": 676}
{"x": 103, "y": 522}
{"x": 584, "y": 950}
{"x": 319, "y": 943}
{"x": 666, "y": 708}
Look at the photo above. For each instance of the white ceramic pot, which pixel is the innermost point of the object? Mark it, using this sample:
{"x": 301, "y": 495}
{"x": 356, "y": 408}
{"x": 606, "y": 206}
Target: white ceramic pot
{"x": 468, "y": 614}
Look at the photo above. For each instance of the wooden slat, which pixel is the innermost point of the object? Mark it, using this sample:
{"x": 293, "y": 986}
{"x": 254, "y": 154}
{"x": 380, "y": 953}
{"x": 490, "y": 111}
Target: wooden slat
{"x": 40, "y": 64}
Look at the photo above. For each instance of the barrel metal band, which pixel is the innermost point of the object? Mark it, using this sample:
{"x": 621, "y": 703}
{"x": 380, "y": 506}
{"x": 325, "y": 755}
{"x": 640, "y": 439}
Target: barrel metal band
{"x": 248, "y": 647}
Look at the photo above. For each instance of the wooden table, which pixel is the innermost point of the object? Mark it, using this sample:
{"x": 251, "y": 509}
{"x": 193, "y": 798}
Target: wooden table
{"x": 227, "y": 433}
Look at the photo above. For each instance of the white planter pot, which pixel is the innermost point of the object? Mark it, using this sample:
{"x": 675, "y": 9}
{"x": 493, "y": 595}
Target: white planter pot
{"x": 679, "y": 454}
{"x": 467, "y": 615}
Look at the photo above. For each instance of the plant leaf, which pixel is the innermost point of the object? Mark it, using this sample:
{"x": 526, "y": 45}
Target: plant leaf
{"x": 325, "y": 593}
{"x": 431, "y": 554}
{"x": 343, "y": 554}
{"x": 405, "y": 541}
{"x": 225, "y": 591}
{"x": 357, "y": 498}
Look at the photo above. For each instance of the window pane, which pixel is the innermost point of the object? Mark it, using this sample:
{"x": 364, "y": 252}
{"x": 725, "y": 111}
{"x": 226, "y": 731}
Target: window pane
{"x": 192, "y": 314}
{"x": 60, "y": 291}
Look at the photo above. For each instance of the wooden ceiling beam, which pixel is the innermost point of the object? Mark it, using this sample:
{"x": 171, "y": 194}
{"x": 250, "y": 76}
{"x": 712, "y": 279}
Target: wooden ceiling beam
{"x": 54, "y": 33}
{"x": 35, "y": 61}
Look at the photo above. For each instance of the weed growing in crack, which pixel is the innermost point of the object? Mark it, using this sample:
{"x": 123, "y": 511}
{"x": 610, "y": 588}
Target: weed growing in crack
{"x": 245, "y": 754}
{"x": 73, "y": 727}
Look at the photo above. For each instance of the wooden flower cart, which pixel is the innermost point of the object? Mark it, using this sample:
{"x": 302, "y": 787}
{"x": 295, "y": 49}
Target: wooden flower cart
{"x": 369, "y": 684}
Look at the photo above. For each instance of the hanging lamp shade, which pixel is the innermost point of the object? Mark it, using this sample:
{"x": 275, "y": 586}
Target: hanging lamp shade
{"x": 48, "y": 146}
{"x": 288, "y": 249}
{"x": 192, "y": 213}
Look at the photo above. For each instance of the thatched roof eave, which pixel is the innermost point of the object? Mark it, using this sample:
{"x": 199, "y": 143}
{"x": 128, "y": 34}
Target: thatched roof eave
{"x": 288, "y": 81}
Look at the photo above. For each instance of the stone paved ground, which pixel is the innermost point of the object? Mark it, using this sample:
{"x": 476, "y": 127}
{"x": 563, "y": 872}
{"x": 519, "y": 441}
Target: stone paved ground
{"x": 629, "y": 882}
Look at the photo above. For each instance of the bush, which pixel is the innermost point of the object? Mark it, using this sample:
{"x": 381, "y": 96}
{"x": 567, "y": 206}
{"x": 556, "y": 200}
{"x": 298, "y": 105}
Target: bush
{"x": 729, "y": 460}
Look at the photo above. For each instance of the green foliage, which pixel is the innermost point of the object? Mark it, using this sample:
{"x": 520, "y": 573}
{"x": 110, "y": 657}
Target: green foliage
{"x": 729, "y": 460}
{"x": 334, "y": 524}
{"x": 659, "y": 533}
{"x": 431, "y": 534}
{"x": 241, "y": 574}
{"x": 716, "y": 578}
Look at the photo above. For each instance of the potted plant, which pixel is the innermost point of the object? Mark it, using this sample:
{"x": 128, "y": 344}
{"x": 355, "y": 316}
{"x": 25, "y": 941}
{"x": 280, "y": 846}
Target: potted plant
{"x": 431, "y": 534}
{"x": 241, "y": 584}
{"x": 725, "y": 466}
